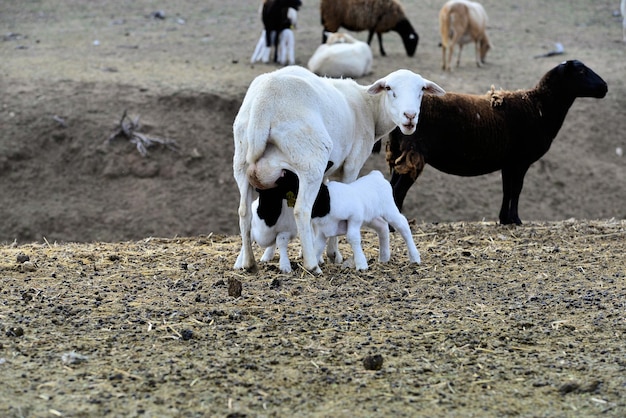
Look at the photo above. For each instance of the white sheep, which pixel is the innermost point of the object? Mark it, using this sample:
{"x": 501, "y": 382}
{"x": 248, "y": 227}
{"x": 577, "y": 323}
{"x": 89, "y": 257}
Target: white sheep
{"x": 328, "y": 122}
{"x": 341, "y": 56}
{"x": 341, "y": 209}
{"x": 462, "y": 22}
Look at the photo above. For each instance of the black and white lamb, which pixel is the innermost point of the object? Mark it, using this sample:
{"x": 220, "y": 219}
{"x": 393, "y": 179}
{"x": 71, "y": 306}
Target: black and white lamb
{"x": 375, "y": 16}
{"x": 471, "y": 135}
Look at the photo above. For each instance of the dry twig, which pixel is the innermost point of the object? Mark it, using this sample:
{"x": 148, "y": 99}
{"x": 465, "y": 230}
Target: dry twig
{"x": 128, "y": 129}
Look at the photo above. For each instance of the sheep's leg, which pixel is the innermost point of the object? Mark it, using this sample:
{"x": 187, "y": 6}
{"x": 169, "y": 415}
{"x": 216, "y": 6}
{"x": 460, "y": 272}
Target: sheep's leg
{"x": 382, "y": 229}
{"x": 353, "y": 236}
{"x": 380, "y": 44}
{"x": 245, "y": 259}
{"x": 332, "y": 250}
{"x": 282, "y": 241}
{"x": 309, "y": 188}
{"x": 268, "y": 254}
{"x": 512, "y": 183}
{"x": 458, "y": 58}
{"x": 370, "y": 35}
{"x": 320, "y": 242}
{"x": 477, "y": 52}
{"x": 399, "y": 222}
{"x": 401, "y": 183}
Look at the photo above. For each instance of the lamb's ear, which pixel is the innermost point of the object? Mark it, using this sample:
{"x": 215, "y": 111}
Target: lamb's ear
{"x": 377, "y": 87}
{"x": 434, "y": 89}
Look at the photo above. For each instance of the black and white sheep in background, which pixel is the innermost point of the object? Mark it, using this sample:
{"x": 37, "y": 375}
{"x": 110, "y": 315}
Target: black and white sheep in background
{"x": 471, "y": 135}
{"x": 375, "y": 16}
{"x": 339, "y": 209}
{"x": 277, "y": 17}
{"x": 329, "y": 120}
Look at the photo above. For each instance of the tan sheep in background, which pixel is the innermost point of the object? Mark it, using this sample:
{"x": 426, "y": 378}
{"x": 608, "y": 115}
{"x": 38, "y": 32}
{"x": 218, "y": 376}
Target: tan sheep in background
{"x": 462, "y": 22}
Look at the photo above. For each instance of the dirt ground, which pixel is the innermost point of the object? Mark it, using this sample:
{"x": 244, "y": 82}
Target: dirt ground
{"x": 496, "y": 321}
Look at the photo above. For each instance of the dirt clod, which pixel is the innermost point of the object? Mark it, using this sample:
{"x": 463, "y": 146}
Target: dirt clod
{"x": 374, "y": 362}
{"x": 234, "y": 287}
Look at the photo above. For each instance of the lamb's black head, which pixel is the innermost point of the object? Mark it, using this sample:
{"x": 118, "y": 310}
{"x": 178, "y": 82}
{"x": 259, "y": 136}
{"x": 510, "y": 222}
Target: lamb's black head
{"x": 580, "y": 80}
{"x": 410, "y": 38}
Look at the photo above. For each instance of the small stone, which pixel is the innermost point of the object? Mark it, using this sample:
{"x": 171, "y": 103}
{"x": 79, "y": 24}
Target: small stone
{"x": 186, "y": 334}
{"x": 15, "y": 332}
{"x": 22, "y": 258}
{"x": 374, "y": 362}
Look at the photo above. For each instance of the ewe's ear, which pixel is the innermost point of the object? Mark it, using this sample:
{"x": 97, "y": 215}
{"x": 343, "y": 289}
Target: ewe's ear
{"x": 377, "y": 87}
{"x": 434, "y": 89}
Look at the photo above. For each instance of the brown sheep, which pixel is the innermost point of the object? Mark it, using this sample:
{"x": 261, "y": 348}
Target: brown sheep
{"x": 462, "y": 22}
{"x": 470, "y": 135}
{"x": 376, "y": 16}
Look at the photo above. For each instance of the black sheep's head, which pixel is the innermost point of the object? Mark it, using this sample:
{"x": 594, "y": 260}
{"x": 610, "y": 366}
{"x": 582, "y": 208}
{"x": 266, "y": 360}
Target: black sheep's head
{"x": 580, "y": 80}
{"x": 410, "y": 38}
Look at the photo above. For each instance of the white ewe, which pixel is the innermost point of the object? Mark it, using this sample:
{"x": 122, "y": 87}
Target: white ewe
{"x": 328, "y": 121}
{"x": 341, "y": 56}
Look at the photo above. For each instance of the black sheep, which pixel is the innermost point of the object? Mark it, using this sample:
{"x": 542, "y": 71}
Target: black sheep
{"x": 471, "y": 135}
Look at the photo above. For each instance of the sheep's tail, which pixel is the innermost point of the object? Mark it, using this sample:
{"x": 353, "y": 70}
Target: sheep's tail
{"x": 258, "y": 133}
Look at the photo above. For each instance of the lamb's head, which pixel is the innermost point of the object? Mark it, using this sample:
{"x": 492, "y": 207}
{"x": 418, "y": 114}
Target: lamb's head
{"x": 403, "y": 91}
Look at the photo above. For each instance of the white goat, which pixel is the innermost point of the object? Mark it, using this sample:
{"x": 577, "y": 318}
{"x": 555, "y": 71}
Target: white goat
{"x": 462, "y": 22}
{"x": 346, "y": 207}
{"x": 341, "y": 56}
{"x": 328, "y": 122}
{"x": 286, "y": 44}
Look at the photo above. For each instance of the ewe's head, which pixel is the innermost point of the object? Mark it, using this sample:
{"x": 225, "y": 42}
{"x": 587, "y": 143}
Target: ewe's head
{"x": 575, "y": 78}
{"x": 403, "y": 91}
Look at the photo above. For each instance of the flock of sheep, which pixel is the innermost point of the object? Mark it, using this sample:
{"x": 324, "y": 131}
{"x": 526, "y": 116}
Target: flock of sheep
{"x": 288, "y": 146}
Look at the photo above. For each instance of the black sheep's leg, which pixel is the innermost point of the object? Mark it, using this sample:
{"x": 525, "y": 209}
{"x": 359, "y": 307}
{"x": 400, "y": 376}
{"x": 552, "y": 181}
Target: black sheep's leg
{"x": 512, "y": 183}
{"x": 380, "y": 43}
{"x": 401, "y": 183}
{"x": 517, "y": 183}
{"x": 506, "y": 196}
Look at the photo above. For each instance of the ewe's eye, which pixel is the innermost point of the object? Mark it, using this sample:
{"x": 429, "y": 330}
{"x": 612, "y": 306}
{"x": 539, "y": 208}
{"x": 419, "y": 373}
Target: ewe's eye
{"x": 387, "y": 88}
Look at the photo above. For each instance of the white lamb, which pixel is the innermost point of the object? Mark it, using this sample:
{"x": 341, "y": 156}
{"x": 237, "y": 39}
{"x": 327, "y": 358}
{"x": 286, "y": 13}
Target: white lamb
{"x": 366, "y": 201}
{"x": 328, "y": 122}
{"x": 341, "y": 56}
